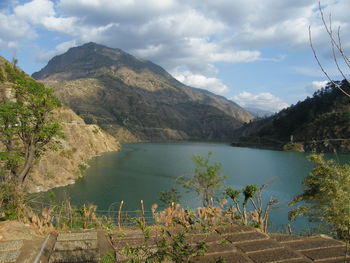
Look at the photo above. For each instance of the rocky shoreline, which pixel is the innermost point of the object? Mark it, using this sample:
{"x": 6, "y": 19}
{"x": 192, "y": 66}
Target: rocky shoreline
{"x": 80, "y": 144}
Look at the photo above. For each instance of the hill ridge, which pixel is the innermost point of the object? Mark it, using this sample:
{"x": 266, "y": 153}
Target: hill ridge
{"x": 319, "y": 123}
{"x": 123, "y": 93}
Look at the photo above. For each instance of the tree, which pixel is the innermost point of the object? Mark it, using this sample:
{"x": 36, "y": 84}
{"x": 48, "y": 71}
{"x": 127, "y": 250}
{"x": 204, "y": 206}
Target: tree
{"x": 206, "y": 179}
{"x": 169, "y": 197}
{"x": 337, "y": 51}
{"x": 326, "y": 195}
{"x": 327, "y": 187}
{"x": 259, "y": 216}
{"x": 27, "y": 128}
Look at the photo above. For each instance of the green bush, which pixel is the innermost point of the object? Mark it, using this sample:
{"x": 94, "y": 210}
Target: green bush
{"x": 2, "y": 77}
{"x": 12, "y": 201}
{"x": 206, "y": 179}
{"x": 326, "y": 196}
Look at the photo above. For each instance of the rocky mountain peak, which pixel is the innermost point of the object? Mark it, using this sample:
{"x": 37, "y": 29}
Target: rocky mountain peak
{"x": 92, "y": 60}
{"x": 117, "y": 90}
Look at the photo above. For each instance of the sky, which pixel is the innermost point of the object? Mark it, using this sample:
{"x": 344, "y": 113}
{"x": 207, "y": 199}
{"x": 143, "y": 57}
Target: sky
{"x": 254, "y": 52}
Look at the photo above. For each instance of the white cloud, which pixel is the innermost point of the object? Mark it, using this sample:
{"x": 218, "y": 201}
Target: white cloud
{"x": 98, "y": 12}
{"x": 315, "y": 85}
{"x": 185, "y": 24}
{"x": 199, "y": 81}
{"x": 35, "y": 11}
{"x": 235, "y": 56}
{"x": 65, "y": 25}
{"x": 232, "y": 25}
{"x": 319, "y": 84}
{"x": 44, "y": 56}
{"x": 264, "y": 101}
{"x": 18, "y": 27}
{"x": 13, "y": 31}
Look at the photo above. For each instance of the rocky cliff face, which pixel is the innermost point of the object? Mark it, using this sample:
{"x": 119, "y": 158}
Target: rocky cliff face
{"x": 137, "y": 99}
{"x": 81, "y": 142}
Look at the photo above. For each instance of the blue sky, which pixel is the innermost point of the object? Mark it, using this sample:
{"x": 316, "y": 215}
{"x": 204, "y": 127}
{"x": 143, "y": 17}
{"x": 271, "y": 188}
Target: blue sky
{"x": 254, "y": 52}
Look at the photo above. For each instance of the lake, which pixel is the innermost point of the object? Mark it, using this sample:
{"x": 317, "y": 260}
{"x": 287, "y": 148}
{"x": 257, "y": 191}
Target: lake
{"x": 143, "y": 170}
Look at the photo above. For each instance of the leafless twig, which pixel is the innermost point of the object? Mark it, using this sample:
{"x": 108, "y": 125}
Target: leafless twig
{"x": 336, "y": 46}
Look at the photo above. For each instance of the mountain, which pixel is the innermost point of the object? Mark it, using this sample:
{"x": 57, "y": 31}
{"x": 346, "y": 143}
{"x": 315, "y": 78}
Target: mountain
{"x": 259, "y": 113}
{"x": 135, "y": 99}
{"x": 81, "y": 142}
{"x": 320, "y": 123}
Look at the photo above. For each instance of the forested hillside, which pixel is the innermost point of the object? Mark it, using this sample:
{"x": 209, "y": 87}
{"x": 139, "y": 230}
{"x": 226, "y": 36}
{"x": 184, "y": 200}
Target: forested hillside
{"x": 320, "y": 123}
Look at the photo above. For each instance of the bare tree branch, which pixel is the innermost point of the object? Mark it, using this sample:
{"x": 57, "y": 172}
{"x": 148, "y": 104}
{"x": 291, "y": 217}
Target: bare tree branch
{"x": 340, "y": 45}
{"x": 321, "y": 67}
{"x": 333, "y": 49}
{"x": 337, "y": 45}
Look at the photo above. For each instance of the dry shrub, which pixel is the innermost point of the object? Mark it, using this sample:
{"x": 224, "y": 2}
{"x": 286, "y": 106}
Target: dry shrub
{"x": 88, "y": 214}
{"x": 210, "y": 215}
{"x": 42, "y": 221}
{"x": 171, "y": 216}
{"x": 176, "y": 215}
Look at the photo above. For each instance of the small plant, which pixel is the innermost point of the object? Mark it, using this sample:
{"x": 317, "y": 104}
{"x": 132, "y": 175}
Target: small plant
{"x": 66, "y": 153}
{"x": 96, "y": 130}
{"x": 82, "y": 167}
{"x": 136, "y": 254}
{"x": 2, "y": 77}
{"x": 169, "y": 197}
{"x": 109, "y": 257}
{"x": 178, "y": 250}
{"x": 221, "y": 260}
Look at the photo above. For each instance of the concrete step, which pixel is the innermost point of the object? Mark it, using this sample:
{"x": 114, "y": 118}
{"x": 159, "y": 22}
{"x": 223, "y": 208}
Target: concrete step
{"x": 75, "y": 245}
{"x": 259, "y": 245}
{"x": 76, "y": 256}
{"x": 9, "y": 256}
{"x": 10, "y": 245}
{"x": 245, "y": 237}
{"x": 312, "y": 243}
{"x": 233, "y": 257}
{"x": 275, "y": 255}
{"x": 330, "y": 253}
{"x": 69, "y": 236}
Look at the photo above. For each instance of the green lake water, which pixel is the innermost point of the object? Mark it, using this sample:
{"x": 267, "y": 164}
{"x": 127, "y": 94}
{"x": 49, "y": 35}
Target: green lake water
{"x": 143, "y": 170}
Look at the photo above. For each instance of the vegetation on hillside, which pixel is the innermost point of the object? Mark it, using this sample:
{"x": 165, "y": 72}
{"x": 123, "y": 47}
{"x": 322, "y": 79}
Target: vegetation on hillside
{"x": 319, "y": 123}
{"x": 26, "y": 126}
{"x": 27, "y": 130}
